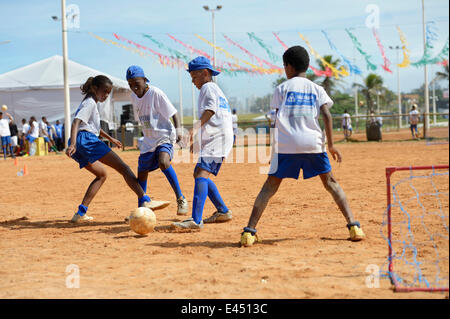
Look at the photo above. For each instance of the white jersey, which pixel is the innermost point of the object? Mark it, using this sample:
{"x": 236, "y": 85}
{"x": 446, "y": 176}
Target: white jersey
{"x": 4, "y": 127}
{"x": 414, "y": 116}
{"x": 88, "y": 113}
{"x": 346, "y": 120}
{"x": 235, "y": 123}
{"x": 42, "y": 129}
{"x": 25, "y": 129}
{"x": 217, "y": 133}
{"x": 34, "y": 130}
{"x": 153, "y": 111}
{"x": 298, "y": 102}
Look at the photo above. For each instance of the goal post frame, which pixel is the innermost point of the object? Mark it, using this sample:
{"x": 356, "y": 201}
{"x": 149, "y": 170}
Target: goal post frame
{"x": 389, "y": 172}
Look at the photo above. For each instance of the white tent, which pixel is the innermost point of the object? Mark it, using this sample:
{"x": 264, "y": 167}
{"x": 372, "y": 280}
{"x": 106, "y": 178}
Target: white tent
{"x": 38, "y": 90}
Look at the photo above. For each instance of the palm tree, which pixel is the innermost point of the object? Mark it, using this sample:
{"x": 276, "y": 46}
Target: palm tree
{"x": 443, "y": 75}
{"x": 372, "y": 83}
{"x": 329, "y": 83}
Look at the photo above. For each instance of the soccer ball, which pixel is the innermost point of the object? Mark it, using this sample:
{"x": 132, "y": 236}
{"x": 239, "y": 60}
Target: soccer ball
{"x": 142, "y": 220}
{"x": 4, "y": 107}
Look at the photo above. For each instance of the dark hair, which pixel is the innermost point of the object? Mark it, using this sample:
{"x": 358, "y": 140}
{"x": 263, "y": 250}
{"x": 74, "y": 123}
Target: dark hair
{"x": 345, "y": 111}
{"x": 100, "y": 81}
{"x": 297, "y": 57}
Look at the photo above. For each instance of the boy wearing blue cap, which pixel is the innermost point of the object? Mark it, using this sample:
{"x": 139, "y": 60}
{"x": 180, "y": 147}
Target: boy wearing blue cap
{"x": 215, "y": 137}
{"x": 153, "y": 110}
{"x": 300, "y": 142}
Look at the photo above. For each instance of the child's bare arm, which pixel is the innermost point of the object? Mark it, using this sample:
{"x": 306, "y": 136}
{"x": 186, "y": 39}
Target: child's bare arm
{"x": 328, "y": 122}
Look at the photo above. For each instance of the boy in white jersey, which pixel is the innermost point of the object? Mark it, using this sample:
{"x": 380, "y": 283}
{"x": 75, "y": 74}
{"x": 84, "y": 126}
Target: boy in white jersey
{"x": 215, "y": 129}
{"x": 153, "y": 110}
{"x": 347, "y": 124}
{"x": 414, "y": 118}
{"x": 300, "y": 143}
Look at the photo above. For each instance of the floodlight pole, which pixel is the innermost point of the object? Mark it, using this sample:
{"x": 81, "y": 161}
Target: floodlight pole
{"x": 425, "y": 68}
{"x": 67, "y": 124}
{"x": 213, "y": 34}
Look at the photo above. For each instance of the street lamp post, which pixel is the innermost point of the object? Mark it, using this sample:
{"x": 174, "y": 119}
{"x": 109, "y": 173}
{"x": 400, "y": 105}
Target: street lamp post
{"x": 399, "y": 95}
{"x": 427, "y": 101}
{"x": 213, "y": 33}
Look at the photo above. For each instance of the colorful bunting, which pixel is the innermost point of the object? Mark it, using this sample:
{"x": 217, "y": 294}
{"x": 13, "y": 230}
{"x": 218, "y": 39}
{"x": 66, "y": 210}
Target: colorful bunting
{"x": 311, "y": 69}
{"x": 386, "y": 63}
{"x": 370, "y": 65}
{"x": 274, "y": 57}
{"x": 406, "y": 53}
{"x": 352, "y": 67}
{"x": 335, "y": 71}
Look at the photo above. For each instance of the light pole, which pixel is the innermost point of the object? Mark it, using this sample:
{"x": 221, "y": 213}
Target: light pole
{"x": 213, "y": 34}
{"x": 66, "y": 72}
{"x": 427, "y": 101}
{"x": 399, "y": 95}
{"x": 434, "y": 98}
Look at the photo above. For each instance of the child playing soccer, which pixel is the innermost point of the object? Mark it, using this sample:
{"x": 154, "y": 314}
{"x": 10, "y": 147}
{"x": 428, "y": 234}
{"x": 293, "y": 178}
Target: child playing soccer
{"x": 300, "y": 143}
{"x": 153, "y": 110}
{"x": 216, "y": 141}
{"x": 86, "y": 148}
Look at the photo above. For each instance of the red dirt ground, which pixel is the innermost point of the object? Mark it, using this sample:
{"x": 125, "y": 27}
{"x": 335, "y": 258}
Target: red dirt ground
{"x": 305, "y": 251}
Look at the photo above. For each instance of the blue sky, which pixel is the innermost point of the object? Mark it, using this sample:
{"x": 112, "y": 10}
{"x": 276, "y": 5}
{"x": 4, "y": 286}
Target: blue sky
{"x": 35, "y": 36}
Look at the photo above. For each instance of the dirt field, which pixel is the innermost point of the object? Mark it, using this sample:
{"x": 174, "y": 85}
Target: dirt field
{"x": 305, "y": 251}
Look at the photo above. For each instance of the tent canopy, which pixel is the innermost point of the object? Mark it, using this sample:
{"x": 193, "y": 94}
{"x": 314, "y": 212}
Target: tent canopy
{"x": 38, "y": 89}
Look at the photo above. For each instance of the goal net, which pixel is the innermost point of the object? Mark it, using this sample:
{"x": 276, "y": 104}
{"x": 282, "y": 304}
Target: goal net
{"x": 415, "y": 226}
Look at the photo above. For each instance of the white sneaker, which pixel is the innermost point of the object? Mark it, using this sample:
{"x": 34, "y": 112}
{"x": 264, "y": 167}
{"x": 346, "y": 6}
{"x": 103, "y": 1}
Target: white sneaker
{"x": 156, "y": 204}
{"x": 218, "y": 217}
{"x": 188, "y": 224}
{"x": 78, "y": 218}
{"x": 183, "y": 206}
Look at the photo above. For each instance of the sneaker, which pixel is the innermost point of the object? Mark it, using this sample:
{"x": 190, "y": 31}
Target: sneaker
{"x": 156, "y": 204}
{"x": 356, "y": 233}
{"x": 248, "y": 238}
{"x": 188, "y": 224}
{"x": 78, "y": 218}
{"x": 183, "y": 206}
{"x": 219, "y": 217}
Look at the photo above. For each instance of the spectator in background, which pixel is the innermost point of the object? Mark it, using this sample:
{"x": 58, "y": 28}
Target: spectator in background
{"x": 23, "y": 137}
{"x": 347, "y": 124}
{"x": 59, "y": 136}
{"x": 414, "y": 118}
{"x": 43, "y": 132}
{"x": 5, "y": 134}
{"x": 234, "y": 117}
{"x": 14, "y": 139}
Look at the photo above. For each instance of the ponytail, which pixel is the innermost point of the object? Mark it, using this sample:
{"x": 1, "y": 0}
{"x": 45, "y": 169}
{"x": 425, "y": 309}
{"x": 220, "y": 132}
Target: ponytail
{"x": 93, "y": 83}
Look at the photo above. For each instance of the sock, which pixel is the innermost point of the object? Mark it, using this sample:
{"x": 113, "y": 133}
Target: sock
{"x": 11, "y": 149}
{"x": 82, "y": 210}
{"x": 353, "y": 224}
{"x": 142, "y": 200}
{"x": 144, "y": 188}
{"x": 4, "y": 152}
{"x": 216, "y": 199}
{"x": 173, "y": 180}
{"x": 54, "y": 148}
{"x": 200, "y": 194}
{"x": 143, "y": 185}
{"x": 250, "y": 230}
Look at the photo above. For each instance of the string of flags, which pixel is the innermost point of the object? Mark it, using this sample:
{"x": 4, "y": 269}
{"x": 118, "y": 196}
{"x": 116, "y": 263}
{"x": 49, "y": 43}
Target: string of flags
{"x": 232, "y": 65}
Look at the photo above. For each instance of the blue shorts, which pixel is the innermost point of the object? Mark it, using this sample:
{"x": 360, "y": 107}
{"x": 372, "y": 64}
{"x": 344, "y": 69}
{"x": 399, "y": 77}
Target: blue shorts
{"x": 210, "y": 164}
{"x": 31, "y": 138}
{"x": 89, "y": 148}
{"x": 46, "y": 139}
{"x": 289, "y": 165}
{"x": 6, "y": 140}
{"x": 150, "y": 161}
